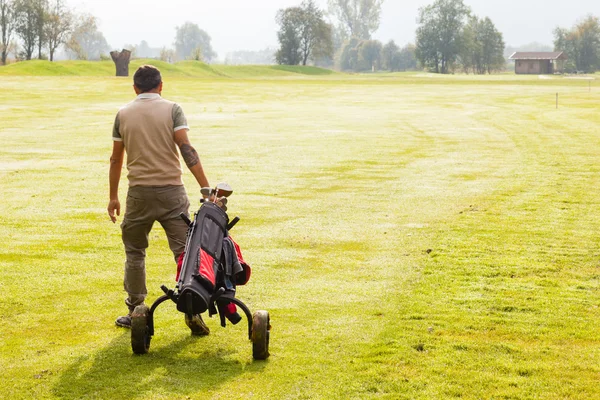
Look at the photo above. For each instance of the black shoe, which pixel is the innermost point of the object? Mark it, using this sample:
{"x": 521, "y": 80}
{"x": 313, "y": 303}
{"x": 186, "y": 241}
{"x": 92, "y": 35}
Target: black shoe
{"x": 124, "y": 321}
{"x": 197, "y": 325}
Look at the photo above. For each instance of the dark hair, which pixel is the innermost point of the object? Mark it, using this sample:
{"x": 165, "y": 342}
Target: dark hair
{"x": 147, "y": 78}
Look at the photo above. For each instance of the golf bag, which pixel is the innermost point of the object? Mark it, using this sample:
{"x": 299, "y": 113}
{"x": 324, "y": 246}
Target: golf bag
{"x": 211, "y": 266}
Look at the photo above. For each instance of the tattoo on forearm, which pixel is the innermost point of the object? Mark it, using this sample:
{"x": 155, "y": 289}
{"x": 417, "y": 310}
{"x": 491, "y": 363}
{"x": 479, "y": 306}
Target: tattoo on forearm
{"x": 190, "y": 156}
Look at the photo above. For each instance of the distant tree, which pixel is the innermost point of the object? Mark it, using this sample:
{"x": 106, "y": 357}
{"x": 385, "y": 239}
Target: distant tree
{"x": 439, "y": 35}
{"x": 369, "y": 55}
{"x": 41, "y": 10}
{"x": 196, "y": 54}
{"x": 143, "y": 50}
{"x": 167, "y": 55}
{"x": 482, "y": 47}
{"x": 58, "y": 26}
{"x": 428, "y": 43}
{"x": 290, "y": 25}
{"x": 26, "y": 24}
{"x": 133, "y": 50}
{"x": 303, "y": 34}
{"x": 492, "y": 47}
{"x": 389, "y": 56}
{"x": 86, "y": 42}
{"x": 189, "y": 37}
{"x": 348, "y": 57}
{"x": 7, "y": 26}
{"x": 357, "y": 18}
{"x": 470, "y": 53}
{"x": 316, "y": 35}
{"x": 581, "y": 43}
{"x": 407, "y": 59}
{"x": 324, "y": 48}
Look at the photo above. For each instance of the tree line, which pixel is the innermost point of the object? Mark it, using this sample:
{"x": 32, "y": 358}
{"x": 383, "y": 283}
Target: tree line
{"x": 305, "y": 36}
{"x": 581, "y": 44}
{"x": 448, "y": 38}
{"x": 38, "y": 28}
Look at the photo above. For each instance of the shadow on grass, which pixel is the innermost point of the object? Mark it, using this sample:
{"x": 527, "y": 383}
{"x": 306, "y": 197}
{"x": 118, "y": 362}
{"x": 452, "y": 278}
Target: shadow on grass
{"x": 172, "y": 370}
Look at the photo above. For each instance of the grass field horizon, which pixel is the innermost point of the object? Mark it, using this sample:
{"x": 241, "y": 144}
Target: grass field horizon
{"x": 181, "y": 69}
{"x": 412, "y": 236}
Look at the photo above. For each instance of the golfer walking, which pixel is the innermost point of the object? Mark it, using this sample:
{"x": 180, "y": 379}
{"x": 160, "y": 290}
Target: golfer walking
{"x": 150, "y": 129}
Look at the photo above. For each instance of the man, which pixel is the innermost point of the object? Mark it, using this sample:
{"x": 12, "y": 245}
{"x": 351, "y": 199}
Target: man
{"x": 149, "y": 130}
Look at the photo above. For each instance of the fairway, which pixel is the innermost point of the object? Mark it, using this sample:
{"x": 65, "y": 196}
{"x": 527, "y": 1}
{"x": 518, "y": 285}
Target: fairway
{"x": 412, "y": 237}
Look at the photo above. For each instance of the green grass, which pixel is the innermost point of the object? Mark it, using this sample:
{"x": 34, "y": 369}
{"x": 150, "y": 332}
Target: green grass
{"x": 412, "y": 237}
{"x": 190, "y": 69}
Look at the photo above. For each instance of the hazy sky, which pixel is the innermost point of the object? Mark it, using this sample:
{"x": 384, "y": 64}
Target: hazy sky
{"x": 250, "y": 24}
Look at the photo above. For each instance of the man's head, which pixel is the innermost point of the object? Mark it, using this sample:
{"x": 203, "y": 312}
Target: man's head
{"x": 147, "y": 79}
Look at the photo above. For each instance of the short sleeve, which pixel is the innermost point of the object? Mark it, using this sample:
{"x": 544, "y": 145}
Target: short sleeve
{"x": 179, "y": 120}
{"x": 116, "y": 135}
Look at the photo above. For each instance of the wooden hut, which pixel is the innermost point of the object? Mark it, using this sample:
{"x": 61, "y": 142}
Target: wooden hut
{"x": 538, "y": 63}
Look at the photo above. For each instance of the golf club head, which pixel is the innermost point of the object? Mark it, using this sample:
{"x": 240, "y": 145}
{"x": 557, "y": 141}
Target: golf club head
{"x": 223, "y": 190}
{"x": 222, "y": 202}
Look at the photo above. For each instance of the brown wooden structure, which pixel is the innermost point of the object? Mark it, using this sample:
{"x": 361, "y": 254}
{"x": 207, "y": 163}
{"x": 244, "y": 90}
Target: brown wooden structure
{"x": 121, "y": 59}
{"x": 539, "y": 63}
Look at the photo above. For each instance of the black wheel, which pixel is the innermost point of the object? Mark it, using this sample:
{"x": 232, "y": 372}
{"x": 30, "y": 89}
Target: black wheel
{"x": 140, "y": 339}
{"x": 261, "y": 326}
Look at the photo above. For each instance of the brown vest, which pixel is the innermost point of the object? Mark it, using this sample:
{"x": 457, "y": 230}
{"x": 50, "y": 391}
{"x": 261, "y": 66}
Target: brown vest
{"x": 146, "y": 126}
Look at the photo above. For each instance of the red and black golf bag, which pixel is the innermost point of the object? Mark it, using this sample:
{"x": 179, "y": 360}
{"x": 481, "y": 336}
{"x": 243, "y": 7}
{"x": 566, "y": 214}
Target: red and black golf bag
{"x": 211, "y": 266}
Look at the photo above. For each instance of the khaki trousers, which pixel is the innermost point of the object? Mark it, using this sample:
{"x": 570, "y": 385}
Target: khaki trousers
{"x": 144, "y": 206}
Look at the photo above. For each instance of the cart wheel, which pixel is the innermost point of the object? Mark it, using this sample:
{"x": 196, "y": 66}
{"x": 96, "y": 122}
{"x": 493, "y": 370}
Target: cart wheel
{"x": 261, "y": 326}
{"x": 140, "y": 339}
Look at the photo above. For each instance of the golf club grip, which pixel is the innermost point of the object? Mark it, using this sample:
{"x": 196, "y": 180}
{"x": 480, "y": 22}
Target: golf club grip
{"x": 232, "y": 223}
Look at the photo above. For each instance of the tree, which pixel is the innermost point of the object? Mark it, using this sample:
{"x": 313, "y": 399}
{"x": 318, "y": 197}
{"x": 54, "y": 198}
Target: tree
{"x": 25, "y": 17}
{"x": 492, "y": 47}
{"x": 86, "y": 42}
{"x": 389, "y": 56}
{"x": 439, "y": 35}
{"x": 324, "y": 48}
{"x": 41, "y": 11}
{"x": 581, "y": 44}
{"x": 58, "y": 26}
{"x": 7, "y": 25}
{"x": 188, "y": 37}
{"x": 143, "y": 50}
{"x": 196, "y": 54}
{"x": 303, "y": 34}
{"x": 369, "y": 55}
{"x": 407, "y": 59}
{"x": 290, "y": 22}
{"x": 357, "y": 18}
{"x": 482, "y": 47}
{"x": 348, "y": 57}
{"x": 167, "y": 55}
{"x": 470, "y": 53}
{"x": 121, "y": 60}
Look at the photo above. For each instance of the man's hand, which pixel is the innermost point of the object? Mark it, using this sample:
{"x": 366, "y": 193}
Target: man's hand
{"x": 114, "y": 206}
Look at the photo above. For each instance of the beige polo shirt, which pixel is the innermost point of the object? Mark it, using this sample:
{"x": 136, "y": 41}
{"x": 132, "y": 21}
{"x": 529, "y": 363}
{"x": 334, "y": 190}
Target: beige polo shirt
{"x": 146, "y": 127}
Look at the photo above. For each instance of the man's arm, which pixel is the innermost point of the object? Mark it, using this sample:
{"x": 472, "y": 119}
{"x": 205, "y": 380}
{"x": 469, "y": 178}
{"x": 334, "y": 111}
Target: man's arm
{"x": 190, "y": 156}
{"x": 114, "y": 175}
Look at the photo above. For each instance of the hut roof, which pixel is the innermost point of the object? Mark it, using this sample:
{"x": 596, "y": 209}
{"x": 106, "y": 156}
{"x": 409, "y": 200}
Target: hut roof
{"x": 538, "y": 55}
